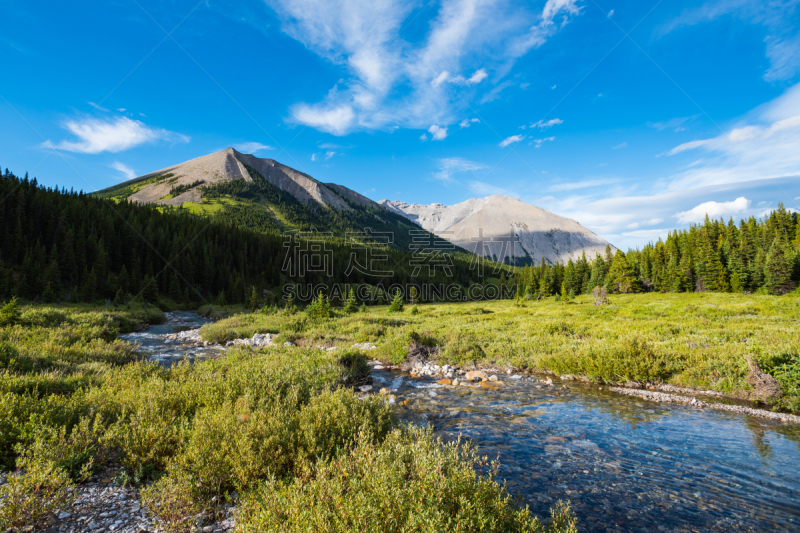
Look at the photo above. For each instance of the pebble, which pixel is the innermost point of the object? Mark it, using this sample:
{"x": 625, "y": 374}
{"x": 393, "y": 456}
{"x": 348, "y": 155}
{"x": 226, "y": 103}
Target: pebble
{"x": 365, "y": 388}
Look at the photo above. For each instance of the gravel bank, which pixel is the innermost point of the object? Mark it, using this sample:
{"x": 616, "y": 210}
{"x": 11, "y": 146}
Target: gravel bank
{"x": 674, "y": 398}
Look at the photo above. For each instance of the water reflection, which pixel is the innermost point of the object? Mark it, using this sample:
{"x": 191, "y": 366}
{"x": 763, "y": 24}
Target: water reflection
{"x": 625, "y": 464}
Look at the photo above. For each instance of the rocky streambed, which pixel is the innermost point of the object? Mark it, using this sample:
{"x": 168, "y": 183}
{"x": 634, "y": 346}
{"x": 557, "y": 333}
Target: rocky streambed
{"x": 626, "y": 459}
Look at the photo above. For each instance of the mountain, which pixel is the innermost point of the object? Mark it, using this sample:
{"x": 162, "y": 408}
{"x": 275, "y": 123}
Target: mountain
{"x": 505, "y": 229}
{"x": 260, "y": 194}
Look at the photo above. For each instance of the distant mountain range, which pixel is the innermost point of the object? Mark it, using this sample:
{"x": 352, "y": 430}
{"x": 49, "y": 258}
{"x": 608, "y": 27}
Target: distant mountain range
{"x": 265, "y": 195}
{"x": 505, "y": 229}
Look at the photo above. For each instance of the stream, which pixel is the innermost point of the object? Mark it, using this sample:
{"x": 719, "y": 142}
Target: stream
{"x": 625, "y": 464}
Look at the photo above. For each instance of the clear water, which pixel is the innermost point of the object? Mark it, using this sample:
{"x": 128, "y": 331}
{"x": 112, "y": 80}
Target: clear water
{"x": 153, "y": 343}
{"x": 624, "y": 464}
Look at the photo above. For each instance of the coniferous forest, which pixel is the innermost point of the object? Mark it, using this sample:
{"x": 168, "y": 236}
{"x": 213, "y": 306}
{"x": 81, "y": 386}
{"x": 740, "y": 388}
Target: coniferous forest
{"x": 753, "y": 256}
{"x": 58, "y": 245}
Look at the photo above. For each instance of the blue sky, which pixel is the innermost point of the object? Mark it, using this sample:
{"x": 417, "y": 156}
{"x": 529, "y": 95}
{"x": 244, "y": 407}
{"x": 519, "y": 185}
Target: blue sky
{"x": 631, "y": 117}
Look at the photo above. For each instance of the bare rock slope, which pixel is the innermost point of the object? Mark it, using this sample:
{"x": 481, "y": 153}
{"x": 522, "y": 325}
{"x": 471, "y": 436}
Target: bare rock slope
{"x": 229, "y": 164}
{"x": 504, "y": 228}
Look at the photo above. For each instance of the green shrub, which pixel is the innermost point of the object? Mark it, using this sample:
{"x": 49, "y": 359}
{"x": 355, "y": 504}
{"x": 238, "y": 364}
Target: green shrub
{"x": 320, "y": 308}
{"x": 629, "y": 359}
{"x": 409, "y": 483}
{"x": 788, "y": 375}
{"x": 397, "y": 305}
{"x": 10, "y": 313}
{"x": 30, "y": 496}
{"x": 79, "y": 452}
{"x": 463, "y": 348}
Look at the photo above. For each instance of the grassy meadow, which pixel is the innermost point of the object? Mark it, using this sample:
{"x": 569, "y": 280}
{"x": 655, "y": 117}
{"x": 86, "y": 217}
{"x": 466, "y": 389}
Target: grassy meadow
{"x": 692, "y": 339}
{"x": 277, "y": 431}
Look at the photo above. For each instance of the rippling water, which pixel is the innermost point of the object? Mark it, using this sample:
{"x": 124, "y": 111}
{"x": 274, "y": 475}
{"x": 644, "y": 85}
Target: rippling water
{"x": 623, "y": 463}
{"x": 153, "y": 342}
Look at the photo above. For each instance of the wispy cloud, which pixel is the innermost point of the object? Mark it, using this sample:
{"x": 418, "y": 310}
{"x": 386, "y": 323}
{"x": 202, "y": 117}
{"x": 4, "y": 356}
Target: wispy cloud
{"x": 114, "y": 135}
{"x": 584, "y": 184}
{"x": 782, "y": 40}
{"x": 467, "y": 121}
{"x": 621, "y": 146}
{"x": 252, "y": 147}
{"x": 763, "y": 144}
{"x": 511, "y": 140}
{"x": 543, "y": 125}
{"x": 713, "y": 210}
{"x": 98, "y": 107}
{"x": 127, "y": 171}
{"x": 538, "y": 142}
{"x": 329, "y": 154}
{"x": 453, "y": 165}
{"x": 391, "y": 81}
{"x": 676, "y": 124}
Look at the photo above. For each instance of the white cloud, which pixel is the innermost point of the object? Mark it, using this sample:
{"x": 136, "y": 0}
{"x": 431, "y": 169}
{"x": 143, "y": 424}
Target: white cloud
{"x": 98, "y": 107}
{"x": 543, "y": 125}
{"x": 467, "y": 121}
{"x": 478, "y": 77}
{"x": 337, "y": 120}
{"x": 761, "y": 145}
{"x": 313, "y": 157}
{"x": 121, "y": 109}
{"x": 329, "y": 154}
{"x": 252, "y": 147}
{"x": 392, "y": 81}
{"x": 781, "y": 37}
{"x": 620, "y": 146}
{"x": 125, "y": 169}
{"x": 554, "y": 86}
{"x": 115, "y": 135}
{"x": 610, "y": 14}
{"x": 713, "y": 210}
{"x": 452, "y": 165}
{"x": 511, "y": 140}
{"x": 445, "y": 76}
{"x": 540, "y": 141}
{"x": 438, "y": 133}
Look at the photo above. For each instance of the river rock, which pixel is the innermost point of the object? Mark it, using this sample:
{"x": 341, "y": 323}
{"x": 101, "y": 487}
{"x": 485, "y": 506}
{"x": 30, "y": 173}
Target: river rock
{"x": 365, "y": 388}
{"x": 476, "y": 375}
{"x": 444, "y": 381}
{"x": 492, "y": 378}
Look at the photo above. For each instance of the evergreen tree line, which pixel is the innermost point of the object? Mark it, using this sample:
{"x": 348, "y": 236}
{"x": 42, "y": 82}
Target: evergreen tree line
{"x": 753, "y": 256}
{"x": 59, "y": 245}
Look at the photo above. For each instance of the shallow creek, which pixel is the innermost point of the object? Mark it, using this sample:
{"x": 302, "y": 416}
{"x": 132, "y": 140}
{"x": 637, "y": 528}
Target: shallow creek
{"x": 625, "y": 464}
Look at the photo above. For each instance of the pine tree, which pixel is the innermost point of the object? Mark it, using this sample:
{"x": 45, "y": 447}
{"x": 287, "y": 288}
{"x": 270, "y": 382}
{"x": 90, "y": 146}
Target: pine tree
{"x": 621, "y": 276}
{"x": 397, "y": 305}
{"x": 253, "y": 302}
{"x": 48, "y": 295}
{"x": 351, "y": 304}
{"x": 777, "y": 270}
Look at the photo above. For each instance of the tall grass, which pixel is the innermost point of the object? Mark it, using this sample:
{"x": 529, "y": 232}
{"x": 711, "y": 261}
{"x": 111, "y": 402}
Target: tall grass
{"x": 74, "y": 399}
{"x": 696, "y": 340}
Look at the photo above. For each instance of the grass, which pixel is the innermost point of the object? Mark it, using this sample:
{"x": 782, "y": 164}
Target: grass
{"x": 74, "y": 399}
{"x": 693, "y": 340}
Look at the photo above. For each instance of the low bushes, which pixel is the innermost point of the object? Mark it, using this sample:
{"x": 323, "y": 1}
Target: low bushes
{"x": 409, "y": 483}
